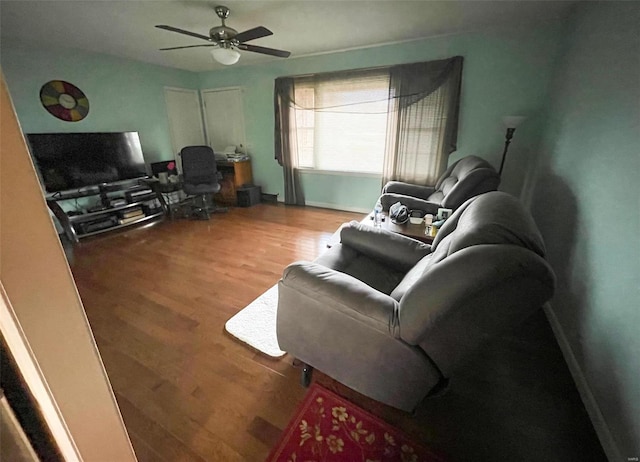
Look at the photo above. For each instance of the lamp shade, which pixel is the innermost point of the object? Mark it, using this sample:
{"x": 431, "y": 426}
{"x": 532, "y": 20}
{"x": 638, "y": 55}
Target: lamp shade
{"x": 226, "y": 56}
{"x": 512, "y": 121}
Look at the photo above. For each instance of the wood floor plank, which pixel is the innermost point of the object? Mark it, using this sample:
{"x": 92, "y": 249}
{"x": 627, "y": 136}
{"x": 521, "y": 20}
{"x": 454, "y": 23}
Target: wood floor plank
{"x": 163, "y": 441}
{"x": 264, "y": 431}
{"x": 157, "y": 299}
{"x": 144, "y": 452}
{"x": 126, "y": 371}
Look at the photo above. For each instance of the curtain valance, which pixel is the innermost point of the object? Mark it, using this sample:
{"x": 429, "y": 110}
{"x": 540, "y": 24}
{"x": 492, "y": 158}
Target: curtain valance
{"x": 408, "y": 84}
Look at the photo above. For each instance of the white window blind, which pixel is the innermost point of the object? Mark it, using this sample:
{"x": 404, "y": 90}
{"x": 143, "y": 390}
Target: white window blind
{"x": 341, "y": 123}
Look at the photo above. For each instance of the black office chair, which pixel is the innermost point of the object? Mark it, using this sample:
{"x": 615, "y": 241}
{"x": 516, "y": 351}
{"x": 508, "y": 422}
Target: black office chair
{"x": 201, "y": 179}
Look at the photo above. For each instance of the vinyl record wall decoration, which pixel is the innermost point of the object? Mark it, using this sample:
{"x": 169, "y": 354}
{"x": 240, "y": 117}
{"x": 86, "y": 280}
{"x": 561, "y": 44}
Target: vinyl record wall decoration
{"x": 64, "y": 100}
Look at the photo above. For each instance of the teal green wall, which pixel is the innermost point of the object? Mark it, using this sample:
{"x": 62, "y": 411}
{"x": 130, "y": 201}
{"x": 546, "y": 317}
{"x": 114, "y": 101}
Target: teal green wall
{"x": 124, "y": 95}
{"x": 344, "y": 192}
{"x": 505, "y": 72}
{"x": 587, "y": 203}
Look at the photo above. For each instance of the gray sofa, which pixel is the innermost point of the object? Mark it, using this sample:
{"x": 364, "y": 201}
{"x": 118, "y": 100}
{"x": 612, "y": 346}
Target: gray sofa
{"x": 392, "y": 317}
{"x": 463, "y": 180}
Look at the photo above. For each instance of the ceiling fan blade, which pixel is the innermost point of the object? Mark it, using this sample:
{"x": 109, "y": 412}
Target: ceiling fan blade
{"x": 184, "y": 32}
{"x": 265, "y": 51}
{"x": 188, "y": 46}
{"x": 252, "y": 34}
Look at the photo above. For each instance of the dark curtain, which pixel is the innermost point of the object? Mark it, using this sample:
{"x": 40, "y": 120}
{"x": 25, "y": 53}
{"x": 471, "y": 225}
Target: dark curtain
{"x": 424, "y": 106}
{"x": 285, "y": 140}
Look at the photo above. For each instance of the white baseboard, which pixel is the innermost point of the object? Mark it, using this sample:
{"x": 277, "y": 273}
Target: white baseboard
{"x": 597, "y": 419}
{"x": 344, "y": 208}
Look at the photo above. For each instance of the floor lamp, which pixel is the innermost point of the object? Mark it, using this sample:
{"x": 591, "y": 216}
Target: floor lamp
{"x": 511, "y": 122}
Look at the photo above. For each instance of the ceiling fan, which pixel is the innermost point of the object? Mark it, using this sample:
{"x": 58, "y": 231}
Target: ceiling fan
{"x": 227, "y": 41}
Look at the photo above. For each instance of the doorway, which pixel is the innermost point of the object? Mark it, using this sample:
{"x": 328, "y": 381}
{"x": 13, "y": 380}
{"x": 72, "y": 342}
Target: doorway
{"x": 185, "y": 119}
{"x": 224, "y": 118}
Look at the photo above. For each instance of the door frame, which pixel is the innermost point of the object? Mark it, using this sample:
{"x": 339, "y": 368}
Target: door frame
{"x": 204, "y": 112}
{"x": 172, "y": 135}
{"x": 41, "y": 305}
{"x": 33, "y": 376}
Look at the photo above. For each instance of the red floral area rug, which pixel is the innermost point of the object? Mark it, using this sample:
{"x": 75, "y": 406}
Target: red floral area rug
{"x": 329, "y": 428}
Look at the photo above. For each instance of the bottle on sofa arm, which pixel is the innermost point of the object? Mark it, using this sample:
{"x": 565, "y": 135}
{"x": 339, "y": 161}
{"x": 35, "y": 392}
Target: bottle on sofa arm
{"x": 377, "y": 214}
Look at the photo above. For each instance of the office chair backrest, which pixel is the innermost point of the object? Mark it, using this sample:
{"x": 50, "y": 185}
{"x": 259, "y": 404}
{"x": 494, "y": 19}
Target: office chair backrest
{"x": 198, "y": 165}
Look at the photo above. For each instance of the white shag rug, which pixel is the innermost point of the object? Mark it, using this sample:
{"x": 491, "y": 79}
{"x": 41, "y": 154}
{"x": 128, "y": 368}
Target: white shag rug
{"x": 255, "y": 325}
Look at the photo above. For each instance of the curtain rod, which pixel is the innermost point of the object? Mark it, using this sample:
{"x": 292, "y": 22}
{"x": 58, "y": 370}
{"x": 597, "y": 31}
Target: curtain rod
{"x": 360, "y": 69}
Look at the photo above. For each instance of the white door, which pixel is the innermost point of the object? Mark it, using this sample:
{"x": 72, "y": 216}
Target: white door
{"x": 224, "y": 118}
{"x": 185, "y": 119}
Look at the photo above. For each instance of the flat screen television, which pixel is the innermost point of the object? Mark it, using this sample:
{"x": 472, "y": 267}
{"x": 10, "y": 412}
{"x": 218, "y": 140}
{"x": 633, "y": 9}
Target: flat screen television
{"x": 68, "y": 161}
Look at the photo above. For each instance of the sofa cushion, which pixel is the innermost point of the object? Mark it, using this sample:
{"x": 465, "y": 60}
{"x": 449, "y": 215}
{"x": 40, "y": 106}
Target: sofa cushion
{"x": 372, "y": 272}
{"x": 411, "y": 277}
{"x": 437, "y": 197}
{"x": 495, "y": 218}
{"x": 399, "y": 252}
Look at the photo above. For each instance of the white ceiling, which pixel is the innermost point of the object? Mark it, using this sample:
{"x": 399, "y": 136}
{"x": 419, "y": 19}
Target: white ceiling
{"x": 304, "y": 27}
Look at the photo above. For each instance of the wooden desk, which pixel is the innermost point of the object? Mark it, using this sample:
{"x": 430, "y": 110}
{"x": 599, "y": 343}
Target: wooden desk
{"x": 234, "y": 175}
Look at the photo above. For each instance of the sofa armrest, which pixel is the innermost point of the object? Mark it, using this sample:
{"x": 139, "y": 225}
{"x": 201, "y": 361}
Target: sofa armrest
{"x": 340, "y": 326}
{"x": 398, "y": 251}
{"x": 408, "y": 189}
{"x": 341, "y": 292}
{"x": 412, "y": 203}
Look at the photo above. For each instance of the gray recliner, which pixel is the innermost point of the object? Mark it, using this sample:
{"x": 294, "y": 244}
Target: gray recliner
{"x": 392, "y": 317}
{"x": 463, "y": 180}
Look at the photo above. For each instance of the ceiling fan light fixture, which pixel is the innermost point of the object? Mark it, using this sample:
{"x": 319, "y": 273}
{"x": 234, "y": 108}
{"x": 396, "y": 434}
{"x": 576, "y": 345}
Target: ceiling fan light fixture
{"x": 227, "y": 40}
{"x": 226, "y": 56}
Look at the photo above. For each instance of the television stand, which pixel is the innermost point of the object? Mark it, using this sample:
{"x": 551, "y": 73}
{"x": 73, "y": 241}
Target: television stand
{"x": 97, "y": 208}
{"x": 104, "y": 195}
{"x": 140, "y": 204}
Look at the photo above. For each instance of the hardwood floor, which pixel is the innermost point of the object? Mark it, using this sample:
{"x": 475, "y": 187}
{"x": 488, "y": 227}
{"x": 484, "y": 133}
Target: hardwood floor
{"x": 157, "y": 299}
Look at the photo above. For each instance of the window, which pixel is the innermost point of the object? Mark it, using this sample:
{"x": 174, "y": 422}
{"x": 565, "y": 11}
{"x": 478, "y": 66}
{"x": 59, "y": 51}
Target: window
{"x": 399, "y": 122}
{"x": 341, "y": 123}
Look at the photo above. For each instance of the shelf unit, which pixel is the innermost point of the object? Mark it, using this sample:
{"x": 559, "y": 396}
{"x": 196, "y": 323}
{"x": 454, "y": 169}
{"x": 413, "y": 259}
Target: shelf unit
{"x": 72, "y": 224}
